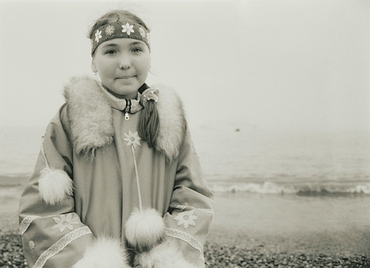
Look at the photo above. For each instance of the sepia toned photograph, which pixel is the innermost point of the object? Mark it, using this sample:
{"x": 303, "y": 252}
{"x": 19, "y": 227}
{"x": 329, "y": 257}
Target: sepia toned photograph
{"x": 185, "y": 134}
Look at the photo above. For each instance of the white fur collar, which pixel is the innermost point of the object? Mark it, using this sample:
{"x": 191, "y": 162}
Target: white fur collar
{"x": 90, "y": 117}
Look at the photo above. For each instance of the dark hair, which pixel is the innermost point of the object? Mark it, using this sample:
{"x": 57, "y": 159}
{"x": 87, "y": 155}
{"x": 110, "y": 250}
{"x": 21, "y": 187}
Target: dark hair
{"x": 148, "y": 126}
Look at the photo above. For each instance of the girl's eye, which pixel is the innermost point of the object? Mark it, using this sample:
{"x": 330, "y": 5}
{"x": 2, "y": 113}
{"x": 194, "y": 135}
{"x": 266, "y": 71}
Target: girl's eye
{"x": 111, "y": 51}
{"x": 136, "y": 49}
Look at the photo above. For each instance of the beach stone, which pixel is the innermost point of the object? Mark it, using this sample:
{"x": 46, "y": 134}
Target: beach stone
{"x": 11, "y": 256}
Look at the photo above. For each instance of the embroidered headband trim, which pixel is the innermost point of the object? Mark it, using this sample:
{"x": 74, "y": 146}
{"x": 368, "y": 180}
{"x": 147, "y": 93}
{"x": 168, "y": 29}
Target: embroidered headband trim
{"x": 119, "y": 30}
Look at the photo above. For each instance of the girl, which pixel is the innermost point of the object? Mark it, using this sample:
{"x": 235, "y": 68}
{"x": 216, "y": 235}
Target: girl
{"x": 117, "y": 182}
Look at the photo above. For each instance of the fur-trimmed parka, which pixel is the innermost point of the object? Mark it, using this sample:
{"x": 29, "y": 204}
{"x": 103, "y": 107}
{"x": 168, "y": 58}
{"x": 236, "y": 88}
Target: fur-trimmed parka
{"x": 81, "y": 206}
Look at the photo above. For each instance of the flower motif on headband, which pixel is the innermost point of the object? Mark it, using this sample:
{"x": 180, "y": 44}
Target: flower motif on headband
{"x": 148, "y": 38}
{"x": 127, "y": 28}
{"x": 142, "y": 32}
{"x": 110, "y": 30}
{"x": 98, "y": 36}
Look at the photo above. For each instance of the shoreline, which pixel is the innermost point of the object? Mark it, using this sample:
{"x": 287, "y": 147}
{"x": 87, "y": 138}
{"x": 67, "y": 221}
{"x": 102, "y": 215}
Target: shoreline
{"x": 253, "y": 186}
{"x": 219, "y": 255}
{"x": 254, "y": 230}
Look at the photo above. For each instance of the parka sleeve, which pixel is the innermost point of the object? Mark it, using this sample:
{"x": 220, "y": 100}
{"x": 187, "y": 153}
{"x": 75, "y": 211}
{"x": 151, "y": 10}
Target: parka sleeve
{"x": 52, "y": 233}
{"x": 191, "y": 209}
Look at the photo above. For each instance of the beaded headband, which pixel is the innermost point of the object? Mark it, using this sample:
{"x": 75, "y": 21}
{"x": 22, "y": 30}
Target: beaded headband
{"x": 120, "y": 30}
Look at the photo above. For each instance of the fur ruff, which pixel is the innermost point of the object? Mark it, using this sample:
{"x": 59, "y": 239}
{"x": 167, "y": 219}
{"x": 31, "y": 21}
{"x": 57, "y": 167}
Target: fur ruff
{"x": 90, "y": 115}
{"x": 91, "y": 119}
{"x": 144, "y": 230}
{"x": 165, "y": 255}
{"x": 54, "y": 185}
{"x": 171, "y": 121}
{"x": 104, "y": 252}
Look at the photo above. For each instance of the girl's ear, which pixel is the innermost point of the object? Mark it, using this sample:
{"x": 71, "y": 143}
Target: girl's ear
{"x": 93, "y": 68}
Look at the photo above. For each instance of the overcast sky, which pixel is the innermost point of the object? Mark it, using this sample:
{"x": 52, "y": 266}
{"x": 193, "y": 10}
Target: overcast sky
{"x": 275, "y": 64}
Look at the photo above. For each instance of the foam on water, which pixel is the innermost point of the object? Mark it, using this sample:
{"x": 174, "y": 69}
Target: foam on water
{"x": 306, "y": 189}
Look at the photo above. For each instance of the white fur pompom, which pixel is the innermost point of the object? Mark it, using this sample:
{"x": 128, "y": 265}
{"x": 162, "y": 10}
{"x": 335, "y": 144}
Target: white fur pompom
{"x": 144, "y": 230}
{"x": 104, "y": 252}
{"x": 54, "y": 185}
{"x": 165, "y": 255}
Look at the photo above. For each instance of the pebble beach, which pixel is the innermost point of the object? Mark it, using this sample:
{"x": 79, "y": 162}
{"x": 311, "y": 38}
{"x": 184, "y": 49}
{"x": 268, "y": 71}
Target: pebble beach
{"x": 236, "y": 242}
{"x": 216, "y": 255}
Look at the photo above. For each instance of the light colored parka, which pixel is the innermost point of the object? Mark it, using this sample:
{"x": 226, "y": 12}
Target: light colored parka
{"x": 74, "y": 208}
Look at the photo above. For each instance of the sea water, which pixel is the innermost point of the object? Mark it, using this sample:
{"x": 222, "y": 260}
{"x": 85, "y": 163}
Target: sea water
{"x": 250, "y": 159}
{"x": 244, "y": 159}
{"x": 19, "y": 147}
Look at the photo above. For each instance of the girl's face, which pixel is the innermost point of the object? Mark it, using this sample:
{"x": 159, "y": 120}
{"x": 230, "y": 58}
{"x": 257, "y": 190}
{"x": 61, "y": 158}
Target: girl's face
{"x": 123, "y": 65}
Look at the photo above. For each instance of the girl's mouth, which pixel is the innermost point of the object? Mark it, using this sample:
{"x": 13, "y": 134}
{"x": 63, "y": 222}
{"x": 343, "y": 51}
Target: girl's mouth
{"x": 125, "y": 77}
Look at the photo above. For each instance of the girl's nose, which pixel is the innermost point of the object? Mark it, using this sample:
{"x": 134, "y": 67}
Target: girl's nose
{"x": 125, "y": 63}
{"x": 124, "y": 66}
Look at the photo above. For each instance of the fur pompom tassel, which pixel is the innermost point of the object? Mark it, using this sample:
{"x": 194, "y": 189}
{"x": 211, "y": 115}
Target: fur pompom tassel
{"x": 54, "y": 185}
{"x": 103, "y": 253}
{"x": 165, "y": 255}
{"x": 144, "y": 230}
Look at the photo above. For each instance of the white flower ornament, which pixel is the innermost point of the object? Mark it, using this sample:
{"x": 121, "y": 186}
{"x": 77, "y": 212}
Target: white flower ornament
{"x": 186, "y": 218}
{"x": 64, "y": 221}
{"x": 148, "y": 38}
{"x": 132, "y": 139}
{"x": 98, "y": 35}
{"x": 151, "y": 94}
{"x": 142, "y": 32}
{"x": 110, "y": 30}
{"x": 127, "y": 28}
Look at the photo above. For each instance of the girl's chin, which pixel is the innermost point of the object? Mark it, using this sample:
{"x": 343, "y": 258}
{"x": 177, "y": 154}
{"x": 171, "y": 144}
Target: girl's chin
{"x": 125, "y": 93}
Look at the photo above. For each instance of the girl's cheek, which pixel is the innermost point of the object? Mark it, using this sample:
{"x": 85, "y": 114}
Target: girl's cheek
{"x": 108, "y": 67}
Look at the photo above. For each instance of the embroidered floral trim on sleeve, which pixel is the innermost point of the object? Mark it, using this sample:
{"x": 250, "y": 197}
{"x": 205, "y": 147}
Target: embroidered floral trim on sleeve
{"x": 191, "y": 240}
{"x": 26, "y": 222}
{"x": 186, "y": 218}
{"x": 60, "y": 245}
{"x": 65, "y": 221}
{"x": 201, "y": 258}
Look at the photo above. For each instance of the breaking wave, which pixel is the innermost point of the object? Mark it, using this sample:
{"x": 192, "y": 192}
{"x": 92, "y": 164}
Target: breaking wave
{"x": 302, "y": 189}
